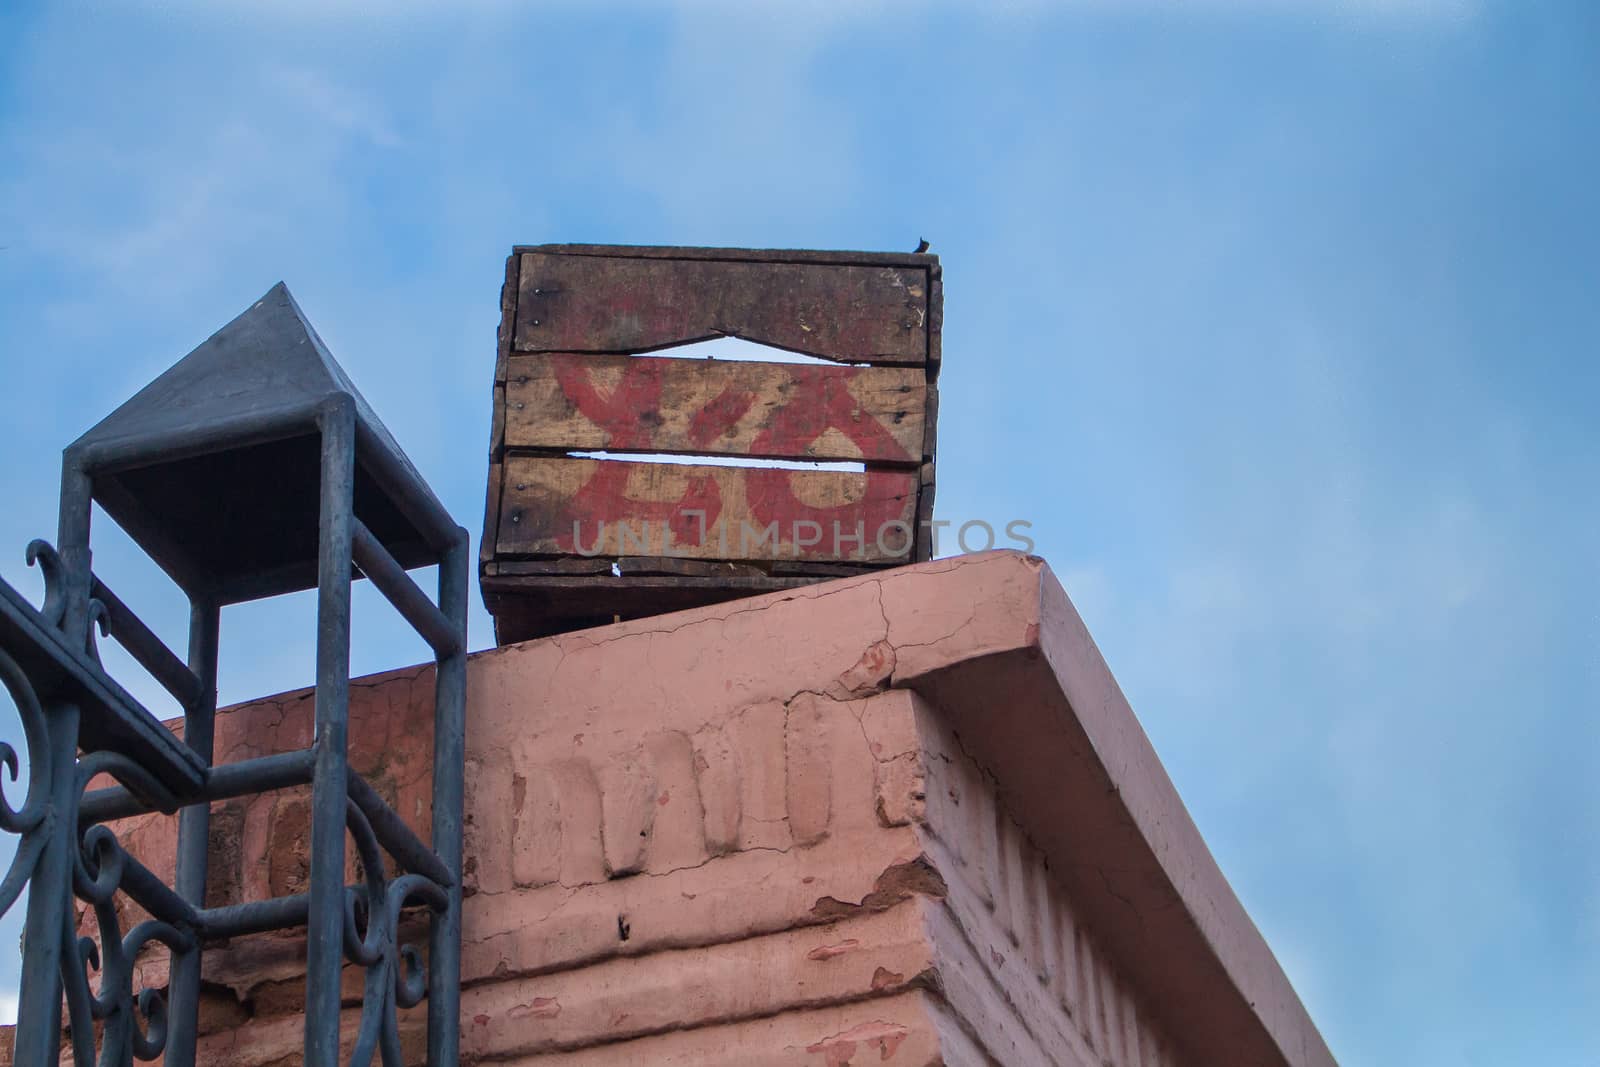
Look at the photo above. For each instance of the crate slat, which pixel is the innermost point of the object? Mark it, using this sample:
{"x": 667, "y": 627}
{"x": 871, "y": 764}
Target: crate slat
{"x": 595, "y": 303}
{"x": 575, "y": 402}
{"x": 555, "y": 505}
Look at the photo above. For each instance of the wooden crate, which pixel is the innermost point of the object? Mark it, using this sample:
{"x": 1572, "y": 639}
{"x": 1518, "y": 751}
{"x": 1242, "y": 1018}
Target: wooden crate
{"x": 571, "y": 541}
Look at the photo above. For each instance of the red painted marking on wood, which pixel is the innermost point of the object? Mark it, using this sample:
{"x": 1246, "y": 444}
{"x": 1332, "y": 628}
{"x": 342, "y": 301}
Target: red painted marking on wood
{"x": 720, "y": 416}
{"x": 835, "y": 408}
{"x": 618, "y": 411}
{"x": 832, "y": 406}
{"x": 772, "y": 499}
{"x": 603, "y": 499}
{"x": 771, "y": 491}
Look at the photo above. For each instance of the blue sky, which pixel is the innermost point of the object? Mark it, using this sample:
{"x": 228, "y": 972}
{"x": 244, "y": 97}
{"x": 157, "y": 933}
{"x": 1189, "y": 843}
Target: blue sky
{"x": 1277, "y": 320}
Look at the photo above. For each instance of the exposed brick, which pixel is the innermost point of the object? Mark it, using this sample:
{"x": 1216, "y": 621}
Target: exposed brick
{"x": 809, "y": 767}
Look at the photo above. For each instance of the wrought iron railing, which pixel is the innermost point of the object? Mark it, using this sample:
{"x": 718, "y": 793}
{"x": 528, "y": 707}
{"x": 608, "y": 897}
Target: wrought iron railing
{"x": 251, "y": 387}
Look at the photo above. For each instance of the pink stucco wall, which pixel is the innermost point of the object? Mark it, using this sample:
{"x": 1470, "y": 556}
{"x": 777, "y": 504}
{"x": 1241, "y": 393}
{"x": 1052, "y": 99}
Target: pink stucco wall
{"x": 904, "y": 819}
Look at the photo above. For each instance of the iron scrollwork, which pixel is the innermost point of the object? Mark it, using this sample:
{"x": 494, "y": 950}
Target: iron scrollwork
{"x": 134, "y": 1024}
{"x": 30, "y": 821}
{"x": 396, "y": 977}
{"x": 99, "y": 865}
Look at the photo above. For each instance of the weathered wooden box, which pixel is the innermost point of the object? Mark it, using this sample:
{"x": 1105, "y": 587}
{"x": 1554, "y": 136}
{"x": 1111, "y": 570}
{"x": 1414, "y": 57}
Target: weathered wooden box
{"x": 625, "y": 484}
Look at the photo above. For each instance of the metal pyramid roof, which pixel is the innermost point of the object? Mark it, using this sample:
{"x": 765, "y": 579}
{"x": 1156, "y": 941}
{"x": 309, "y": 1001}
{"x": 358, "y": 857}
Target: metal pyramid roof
{"x": 213, "y": 468}
{"x": 269, "y": 357}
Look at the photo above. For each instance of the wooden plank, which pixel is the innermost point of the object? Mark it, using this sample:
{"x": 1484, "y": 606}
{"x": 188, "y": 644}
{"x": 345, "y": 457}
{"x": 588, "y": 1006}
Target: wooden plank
{"x": 491, "y": 513}
{"x": 530, "y": 607}
{"x": 508, "y": 315}
{"x": 599, "y": 303}
{"x": 497, "y": 423}
{"x": 790, "y": 569}
{"x": 565, "y": 565}
{"x": 916, "y": 260}
{"x": 925, "y": 512}
{"x": 556, "y": 505}
{"x": 715, "y": 407}
{"x": 663, "y": 566}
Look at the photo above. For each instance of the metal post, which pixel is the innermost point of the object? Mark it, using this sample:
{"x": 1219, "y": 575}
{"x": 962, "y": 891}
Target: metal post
{"x": 329, "y": 786}
{"x": 72, "y": 543}
{"x": 449, "y": 753}
{"x": 194, "y": 831}
{"x": 38, "y": 1034}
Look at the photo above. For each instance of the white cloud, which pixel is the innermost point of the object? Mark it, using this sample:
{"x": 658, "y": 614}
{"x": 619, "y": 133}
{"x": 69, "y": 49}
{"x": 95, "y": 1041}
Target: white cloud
{"x": 337, "y": 105}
